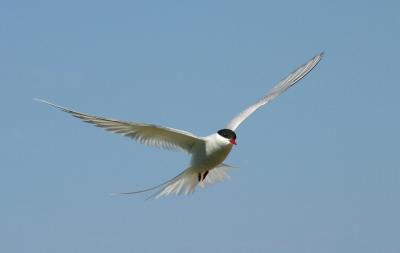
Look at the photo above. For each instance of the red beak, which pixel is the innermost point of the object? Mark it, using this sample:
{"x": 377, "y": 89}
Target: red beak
{"x": 233, "y": 141}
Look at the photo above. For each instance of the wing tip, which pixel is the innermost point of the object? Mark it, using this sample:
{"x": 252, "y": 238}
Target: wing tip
{"x": 46, "y": 102}
{"x": 320, "y": 55}
{"x": 54, "y": 105}
{"x": 40, "y": 100}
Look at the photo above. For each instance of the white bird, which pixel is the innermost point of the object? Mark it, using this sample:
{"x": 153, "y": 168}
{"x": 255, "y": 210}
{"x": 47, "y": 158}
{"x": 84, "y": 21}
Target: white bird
{"x": 208, "y": 153}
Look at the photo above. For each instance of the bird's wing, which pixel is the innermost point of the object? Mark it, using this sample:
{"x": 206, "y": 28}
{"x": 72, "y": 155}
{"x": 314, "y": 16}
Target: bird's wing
{"x": 147, "y": 134}
{"x": 282, "y": 86}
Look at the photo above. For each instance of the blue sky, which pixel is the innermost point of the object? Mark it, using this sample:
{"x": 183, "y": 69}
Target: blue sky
{"x": 319, "y": 166}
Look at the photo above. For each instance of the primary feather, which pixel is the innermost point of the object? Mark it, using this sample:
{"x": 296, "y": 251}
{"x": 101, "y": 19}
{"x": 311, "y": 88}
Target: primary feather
{"x": 282, "y": 86}
{"x": 147, "y": 134}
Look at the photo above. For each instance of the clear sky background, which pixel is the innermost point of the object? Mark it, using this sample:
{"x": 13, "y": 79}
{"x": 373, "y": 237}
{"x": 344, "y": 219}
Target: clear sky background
{"x": 319, "y": 166}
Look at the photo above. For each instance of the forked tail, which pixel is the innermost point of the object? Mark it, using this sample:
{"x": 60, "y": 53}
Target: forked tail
{"x": 186, "y": 182}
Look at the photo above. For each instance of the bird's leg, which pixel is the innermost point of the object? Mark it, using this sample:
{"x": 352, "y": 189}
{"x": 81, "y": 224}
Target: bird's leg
{"x": 205, "y": 175}
{"x": 202, "y": 177}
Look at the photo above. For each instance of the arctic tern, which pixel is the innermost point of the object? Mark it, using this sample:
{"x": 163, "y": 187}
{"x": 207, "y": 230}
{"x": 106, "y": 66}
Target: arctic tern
{"x": 208, "y": 153}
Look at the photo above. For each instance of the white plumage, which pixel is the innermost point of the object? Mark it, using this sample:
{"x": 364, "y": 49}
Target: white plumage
{"x": 208, "y": 153}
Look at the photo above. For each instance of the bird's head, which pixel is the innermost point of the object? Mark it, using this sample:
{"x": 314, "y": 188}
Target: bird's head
{"x": 229, "y": 135}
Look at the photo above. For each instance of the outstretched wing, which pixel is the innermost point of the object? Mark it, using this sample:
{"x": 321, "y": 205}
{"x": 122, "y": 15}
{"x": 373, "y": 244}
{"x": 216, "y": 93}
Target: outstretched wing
{"x": 147, "y": 134}
{"x": 282, "y": 86}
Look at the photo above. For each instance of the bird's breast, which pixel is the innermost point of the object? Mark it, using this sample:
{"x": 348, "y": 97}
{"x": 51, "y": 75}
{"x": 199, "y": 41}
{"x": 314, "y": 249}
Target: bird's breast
{"x": 208, "y": 157}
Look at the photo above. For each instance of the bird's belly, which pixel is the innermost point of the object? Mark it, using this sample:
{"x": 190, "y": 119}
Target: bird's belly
{"x": 204, "y": 161}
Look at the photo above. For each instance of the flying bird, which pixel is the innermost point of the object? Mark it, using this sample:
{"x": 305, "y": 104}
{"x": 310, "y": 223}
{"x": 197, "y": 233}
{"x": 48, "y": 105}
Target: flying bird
{"x": 207, "y": 153}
